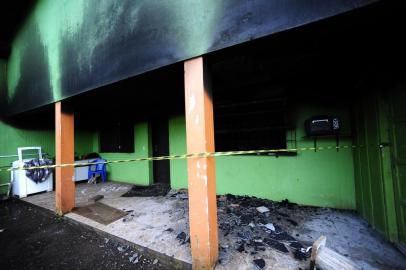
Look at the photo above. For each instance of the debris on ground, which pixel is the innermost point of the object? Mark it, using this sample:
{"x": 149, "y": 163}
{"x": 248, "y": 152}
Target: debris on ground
{"x": 258, "y": 224}
{"x": 251, "y": 225}
{"x": 259, "y": 263}
{"x": 183, "y": 238}
{"x": 241, "y": 248}
{"x": 270, "y": 226}
{"x": 276, "y": 245}
{"x": 294, "y": 223}
{"x": 128, "y": 218}
{"x": 287, "y": 203}
{"x": 301, "y": 254}
{"x": 169, "y": 230}
{"x": 122, "y": 248}
{"x": 262, "y": 209}
{"x": 348, "y": 234}
{"x": 154, "y": 190}
{"x": 96, "y": 198}
{"x": 134, "y": 258}
{"x": 296, "y": 245}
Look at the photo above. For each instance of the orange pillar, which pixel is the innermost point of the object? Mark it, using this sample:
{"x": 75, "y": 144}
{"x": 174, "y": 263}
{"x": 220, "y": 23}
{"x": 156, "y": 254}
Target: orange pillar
{"x": 64, "y": 150}
{"x": 201, "y": 171}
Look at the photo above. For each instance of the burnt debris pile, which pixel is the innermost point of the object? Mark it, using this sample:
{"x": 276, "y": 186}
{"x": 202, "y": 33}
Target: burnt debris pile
{"x": 258, "y": 224}
{"x": 154, "y": 190}
{"x": 251, "y": 226}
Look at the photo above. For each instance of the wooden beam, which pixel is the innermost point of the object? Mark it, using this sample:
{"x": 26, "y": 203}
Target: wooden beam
{"x": 64, "y": 153}
{"x": 201, "y": 171}
{"x": 329, "y": 259}
{"x": 324, "y": 258}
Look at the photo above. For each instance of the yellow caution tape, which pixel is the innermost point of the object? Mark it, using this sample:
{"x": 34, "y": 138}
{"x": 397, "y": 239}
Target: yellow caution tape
{"x": 185, "y": 156}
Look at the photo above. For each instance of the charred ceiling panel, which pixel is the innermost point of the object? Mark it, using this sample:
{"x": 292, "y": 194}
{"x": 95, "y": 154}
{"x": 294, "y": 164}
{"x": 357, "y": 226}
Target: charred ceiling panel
{"x": 69, "y": 47}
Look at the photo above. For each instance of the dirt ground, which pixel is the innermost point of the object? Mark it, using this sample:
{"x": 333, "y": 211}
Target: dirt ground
{"x": 34, "y": 238}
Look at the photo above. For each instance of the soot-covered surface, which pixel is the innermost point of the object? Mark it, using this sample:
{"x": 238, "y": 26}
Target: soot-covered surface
{"x": 148, "y": 191}
{"x": 121, "y": 39}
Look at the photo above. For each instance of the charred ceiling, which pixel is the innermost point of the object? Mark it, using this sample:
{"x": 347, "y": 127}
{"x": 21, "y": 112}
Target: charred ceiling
{"x": 79, "y": 48}
{"x": 335, "y": 60}
{"x": 12, "y": 15}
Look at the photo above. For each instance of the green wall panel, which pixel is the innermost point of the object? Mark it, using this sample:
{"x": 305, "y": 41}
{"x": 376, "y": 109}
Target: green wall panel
{"x": 83, "y": 142}
{"x": 133, "y": 172}
{"x": 177, "y": 146}
{"x": 11, "y": 138}
{"x": 398, "y": 143}
{"x": 323, "y": 178}
{"x": 373, "y": 174}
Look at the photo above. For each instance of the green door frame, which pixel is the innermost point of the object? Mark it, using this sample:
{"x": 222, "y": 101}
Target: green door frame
{"x": 398, "y": 153}
{"x": 373, "y": 163}
{"x": 386, "y": 144}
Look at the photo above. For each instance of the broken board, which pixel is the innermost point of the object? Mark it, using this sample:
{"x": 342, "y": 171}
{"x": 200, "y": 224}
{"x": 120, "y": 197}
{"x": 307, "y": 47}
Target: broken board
{"x": 100, "y": 213}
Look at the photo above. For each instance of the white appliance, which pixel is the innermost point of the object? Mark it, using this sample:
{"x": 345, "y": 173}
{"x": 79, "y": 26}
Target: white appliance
{"x": 82, "y": 173}
{"x": 21, "y": 184}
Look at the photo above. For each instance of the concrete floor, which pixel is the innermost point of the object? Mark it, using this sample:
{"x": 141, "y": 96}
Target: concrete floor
{"x": 152, "y": 216}
{"x": 156, "y": 221}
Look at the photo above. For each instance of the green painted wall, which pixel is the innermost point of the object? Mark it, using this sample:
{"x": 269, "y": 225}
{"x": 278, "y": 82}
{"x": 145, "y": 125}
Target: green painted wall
{"x": 177, "y": 145}
{"x": 397, "y": 130}
{"x": 85, "y": 142}
{"x": 324, "y": 178}
{"x": 133, "y": 172}
{"x": 373, "y": 173}
{"x": 11, "y": 138}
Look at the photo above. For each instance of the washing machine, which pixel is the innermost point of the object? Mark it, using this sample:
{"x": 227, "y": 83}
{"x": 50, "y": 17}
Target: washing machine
{"x": 22, "y": 183}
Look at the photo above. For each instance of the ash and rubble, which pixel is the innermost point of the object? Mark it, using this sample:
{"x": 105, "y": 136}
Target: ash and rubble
{"x": 262, "y": 234}
{"x": 134, "y": 256}
{"x": 249, "y": 225}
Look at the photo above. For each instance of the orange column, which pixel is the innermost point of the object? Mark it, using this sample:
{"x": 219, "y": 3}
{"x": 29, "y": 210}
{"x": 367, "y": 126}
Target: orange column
{"x": 201, "y": 171}
{"x": 64, "y": 150}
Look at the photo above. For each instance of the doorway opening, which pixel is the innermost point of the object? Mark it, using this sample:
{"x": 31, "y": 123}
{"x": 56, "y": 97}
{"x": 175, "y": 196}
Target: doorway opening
{"x": 160, "y": 147}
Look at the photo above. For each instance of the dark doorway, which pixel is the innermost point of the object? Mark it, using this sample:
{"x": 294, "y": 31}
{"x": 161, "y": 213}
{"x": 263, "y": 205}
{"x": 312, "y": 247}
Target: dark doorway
{"x": 160, "y": 147}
